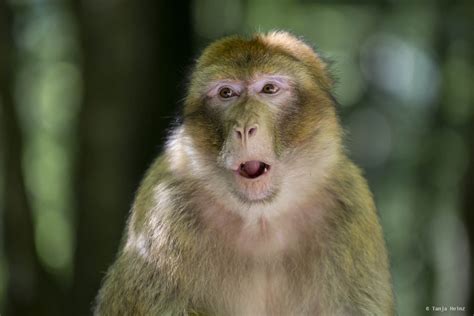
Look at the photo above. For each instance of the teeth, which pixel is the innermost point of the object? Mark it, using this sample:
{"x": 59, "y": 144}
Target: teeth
{"x": 265, "y": 170}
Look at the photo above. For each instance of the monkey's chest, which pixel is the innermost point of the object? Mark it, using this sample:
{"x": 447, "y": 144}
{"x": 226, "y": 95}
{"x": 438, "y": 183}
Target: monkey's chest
{"x": 261, "y": 292}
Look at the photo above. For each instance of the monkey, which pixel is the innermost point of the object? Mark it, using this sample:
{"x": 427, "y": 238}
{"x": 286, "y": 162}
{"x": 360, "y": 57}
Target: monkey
{"x": 254, "y": 207}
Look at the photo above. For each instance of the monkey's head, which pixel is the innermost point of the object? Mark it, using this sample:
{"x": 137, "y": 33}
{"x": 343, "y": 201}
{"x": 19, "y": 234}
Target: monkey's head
{"x": 259, "y": 120}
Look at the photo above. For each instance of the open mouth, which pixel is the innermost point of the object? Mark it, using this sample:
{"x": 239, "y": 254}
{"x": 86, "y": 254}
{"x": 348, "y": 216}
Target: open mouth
{"x": 253, "y": 169}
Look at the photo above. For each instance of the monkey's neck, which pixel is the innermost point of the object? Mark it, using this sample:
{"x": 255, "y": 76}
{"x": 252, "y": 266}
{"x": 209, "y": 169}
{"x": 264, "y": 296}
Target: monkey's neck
{"x": 263, "y": 236}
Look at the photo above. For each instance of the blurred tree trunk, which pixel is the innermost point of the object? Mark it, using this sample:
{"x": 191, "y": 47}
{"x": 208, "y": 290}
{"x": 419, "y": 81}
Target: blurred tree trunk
{"x": 469, "y": 176}
{"x": 134, "y": 54}
{"x": 30, "y": 289}
{"x": 469, "y": 215}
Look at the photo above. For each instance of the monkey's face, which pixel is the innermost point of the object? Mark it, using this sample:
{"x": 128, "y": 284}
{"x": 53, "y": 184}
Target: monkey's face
{"x": 247, "y": 110}
{"x": 259, "y": 116}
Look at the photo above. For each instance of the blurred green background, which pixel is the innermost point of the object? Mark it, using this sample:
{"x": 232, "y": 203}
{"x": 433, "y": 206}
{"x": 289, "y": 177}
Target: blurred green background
{"x": 88, "y": 89}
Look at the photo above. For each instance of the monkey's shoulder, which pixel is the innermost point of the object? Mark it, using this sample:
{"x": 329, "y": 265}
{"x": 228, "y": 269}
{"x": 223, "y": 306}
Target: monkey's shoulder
{"x": 349, "y": 187}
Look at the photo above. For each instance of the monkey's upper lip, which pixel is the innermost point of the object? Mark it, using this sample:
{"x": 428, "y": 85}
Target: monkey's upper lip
{"x": 253, "y": 169}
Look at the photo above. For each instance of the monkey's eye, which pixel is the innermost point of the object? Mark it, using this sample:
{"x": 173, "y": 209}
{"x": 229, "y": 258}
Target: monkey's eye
{"x": 227, "y": 93}
{"x": 270, "y": 88}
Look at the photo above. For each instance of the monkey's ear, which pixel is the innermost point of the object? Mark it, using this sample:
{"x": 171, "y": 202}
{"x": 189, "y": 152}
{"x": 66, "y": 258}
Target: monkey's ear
{"x": 303, "y": 52}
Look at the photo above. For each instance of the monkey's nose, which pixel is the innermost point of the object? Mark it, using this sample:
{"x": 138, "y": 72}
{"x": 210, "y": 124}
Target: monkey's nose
{"x": 245, "y": 132}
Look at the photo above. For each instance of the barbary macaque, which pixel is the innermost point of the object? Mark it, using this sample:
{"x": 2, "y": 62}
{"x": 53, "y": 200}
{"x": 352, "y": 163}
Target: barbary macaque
{"x": 254, "y": 207}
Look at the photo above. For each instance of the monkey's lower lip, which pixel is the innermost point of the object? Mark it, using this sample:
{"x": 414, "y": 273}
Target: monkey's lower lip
{"x": 253, "y": 169}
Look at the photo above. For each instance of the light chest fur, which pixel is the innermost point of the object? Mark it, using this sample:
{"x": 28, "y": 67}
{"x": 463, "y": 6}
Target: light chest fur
{"x": 260, "y": 292}
{"x": 267, "y": 282}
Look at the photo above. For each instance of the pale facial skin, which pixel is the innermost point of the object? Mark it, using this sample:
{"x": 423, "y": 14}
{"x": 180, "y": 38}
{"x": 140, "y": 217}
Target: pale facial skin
{"x": 248, "y": 152}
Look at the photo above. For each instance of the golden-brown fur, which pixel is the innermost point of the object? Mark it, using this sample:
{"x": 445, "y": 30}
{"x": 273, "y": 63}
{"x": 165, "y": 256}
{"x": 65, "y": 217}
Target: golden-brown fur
{"x": 302, "y": 239}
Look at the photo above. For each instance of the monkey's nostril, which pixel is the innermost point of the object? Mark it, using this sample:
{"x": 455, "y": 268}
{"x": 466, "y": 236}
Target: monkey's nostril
{"x": 252, "y": 131}
{"x": 240, "y": 132}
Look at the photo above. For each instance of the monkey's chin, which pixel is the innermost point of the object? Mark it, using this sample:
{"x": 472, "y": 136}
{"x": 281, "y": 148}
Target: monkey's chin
{"x": 257, "y": 190}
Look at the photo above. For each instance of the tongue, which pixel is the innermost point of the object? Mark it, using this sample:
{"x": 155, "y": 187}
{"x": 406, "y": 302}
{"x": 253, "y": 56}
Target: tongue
{"x": 252, "y": 167}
